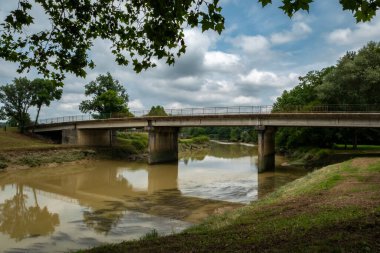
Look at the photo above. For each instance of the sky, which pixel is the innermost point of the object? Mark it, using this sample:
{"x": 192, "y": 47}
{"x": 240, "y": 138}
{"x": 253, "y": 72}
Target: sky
{"x": 261, "y": 53}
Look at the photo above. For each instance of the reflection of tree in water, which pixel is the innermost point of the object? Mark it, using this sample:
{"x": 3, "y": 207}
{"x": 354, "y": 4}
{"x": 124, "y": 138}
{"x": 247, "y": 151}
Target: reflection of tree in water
{"x": 19, "y": 221}
{"x": 231, "y": 150}
{"x": 103, "y": 220}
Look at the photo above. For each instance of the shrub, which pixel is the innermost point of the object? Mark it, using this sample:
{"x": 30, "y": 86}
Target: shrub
{"x": 31, "y": 161}
{"x": 3, "y": 165}
{"x": 201, "y": 139}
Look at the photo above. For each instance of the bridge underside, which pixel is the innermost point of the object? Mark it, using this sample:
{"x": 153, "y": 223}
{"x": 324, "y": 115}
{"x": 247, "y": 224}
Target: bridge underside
{"x": 163, "y": 143}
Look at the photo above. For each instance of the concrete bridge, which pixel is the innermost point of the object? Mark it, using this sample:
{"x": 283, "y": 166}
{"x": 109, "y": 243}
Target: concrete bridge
{"x": 163, "y": 130}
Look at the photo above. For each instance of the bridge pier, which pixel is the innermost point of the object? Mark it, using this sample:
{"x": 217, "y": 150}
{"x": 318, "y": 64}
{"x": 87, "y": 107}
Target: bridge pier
{"x": 266, "y": 148}
{"x": 163, "y": 144}
{"x": 87, "y": 137}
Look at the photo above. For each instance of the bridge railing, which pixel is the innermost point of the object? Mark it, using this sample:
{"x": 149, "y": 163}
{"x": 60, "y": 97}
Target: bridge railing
{"x": 234, "y": 110}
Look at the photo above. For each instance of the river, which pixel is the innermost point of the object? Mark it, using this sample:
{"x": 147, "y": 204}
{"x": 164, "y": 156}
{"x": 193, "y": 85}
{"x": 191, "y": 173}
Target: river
{"x": 84, "y": 204}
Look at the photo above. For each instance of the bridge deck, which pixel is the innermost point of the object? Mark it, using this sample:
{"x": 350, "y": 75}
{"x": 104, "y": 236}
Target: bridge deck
{"x": 338, "y": 119}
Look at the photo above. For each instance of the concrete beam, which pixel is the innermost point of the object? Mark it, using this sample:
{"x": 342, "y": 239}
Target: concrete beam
{"x": 266, "y": 148}
{"x": 270, "y": 119}
{"x": 163, "y": 144}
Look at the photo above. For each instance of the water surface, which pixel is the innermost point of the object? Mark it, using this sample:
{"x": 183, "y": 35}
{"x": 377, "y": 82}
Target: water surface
{"x": 72, "y": 206}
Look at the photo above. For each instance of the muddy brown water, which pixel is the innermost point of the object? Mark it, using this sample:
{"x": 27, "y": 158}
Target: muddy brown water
{"x": 73, "y": 206}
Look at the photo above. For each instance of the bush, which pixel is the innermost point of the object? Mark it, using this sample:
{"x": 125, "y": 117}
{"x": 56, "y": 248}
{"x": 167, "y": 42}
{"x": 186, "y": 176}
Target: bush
{"x": 31, "y": 161}
{"x": 133, "y": 142}
{"x": 3, "y": 165}
{"x": 201, "y": 139}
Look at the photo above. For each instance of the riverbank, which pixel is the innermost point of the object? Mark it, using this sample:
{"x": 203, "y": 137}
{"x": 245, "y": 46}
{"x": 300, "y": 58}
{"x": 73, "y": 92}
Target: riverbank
{"x": 334, "y": 209}
{"x": 312, "y": 158}
{"x": 19, "y": 151}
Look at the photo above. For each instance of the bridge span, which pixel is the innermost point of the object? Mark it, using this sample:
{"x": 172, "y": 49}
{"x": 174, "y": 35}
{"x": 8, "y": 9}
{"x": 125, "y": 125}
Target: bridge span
{"x": 163, "y": 130}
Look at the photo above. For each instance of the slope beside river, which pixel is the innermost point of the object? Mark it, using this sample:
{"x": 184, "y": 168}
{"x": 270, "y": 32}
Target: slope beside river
{"x": 334, "y": 209}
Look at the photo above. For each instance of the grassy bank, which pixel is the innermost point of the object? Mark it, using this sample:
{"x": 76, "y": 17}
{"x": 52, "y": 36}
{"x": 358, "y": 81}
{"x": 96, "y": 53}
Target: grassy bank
{"x": 11, "y": 139}
{"x": 311, "y": 157}
{"x": 194, "y": 143}
{"x": 335, "y": 209}
{"x": 19, "y": 151}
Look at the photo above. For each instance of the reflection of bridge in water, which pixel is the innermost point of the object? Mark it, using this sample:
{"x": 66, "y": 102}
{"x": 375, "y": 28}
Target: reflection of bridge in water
{"x": 109, "y": 190}
{"x": 108, "y": 193}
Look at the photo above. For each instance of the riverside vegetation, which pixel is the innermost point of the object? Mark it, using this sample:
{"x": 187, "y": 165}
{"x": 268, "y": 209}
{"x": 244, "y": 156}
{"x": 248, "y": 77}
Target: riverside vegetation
{"x": 334, "y": 209}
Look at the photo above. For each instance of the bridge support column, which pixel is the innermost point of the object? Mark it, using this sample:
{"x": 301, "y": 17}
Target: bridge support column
{"x": 163, "y": 144}
{"x": 266, "y": 148}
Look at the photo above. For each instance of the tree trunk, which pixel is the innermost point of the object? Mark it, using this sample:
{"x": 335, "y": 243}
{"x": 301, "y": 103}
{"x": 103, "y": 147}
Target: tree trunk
{"x": 38, "y": 114}
{"x": 35, "y": 197}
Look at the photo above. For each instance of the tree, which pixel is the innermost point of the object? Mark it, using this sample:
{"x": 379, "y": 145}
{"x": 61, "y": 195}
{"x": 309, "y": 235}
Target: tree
{"x": 157, "y": 111}
{"x": 16, "y": 99}
{"x": 355, "y": 79}
{"x": 364, "y": 10}
{"x": 44, "y": 91}
{"x": 139, "y": 30}
{"x": 3, "y": 115}
{"x": 108, "y": 96}
{"x": 303, "y": 95}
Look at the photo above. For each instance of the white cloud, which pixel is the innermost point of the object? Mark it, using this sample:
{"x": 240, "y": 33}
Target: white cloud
{"x": 136, "y": 105}
{"x": 252, "y": 44}
{"x": 340, "y": 36}
{"x": 357, "y": 35}
{"x": 261, "y": 78}
{"x": 244, "y": 100}
{"x": 217, "y": 60}
{"x": 299, "y": 31}
{"x": 267, "y": 79}
{"x": 176, "y": 105}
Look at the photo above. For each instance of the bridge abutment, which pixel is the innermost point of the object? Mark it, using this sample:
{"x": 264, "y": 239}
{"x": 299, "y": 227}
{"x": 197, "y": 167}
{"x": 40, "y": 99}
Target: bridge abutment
{"x": 266, "y": 148}
{"x": 163, "y": 144}
{"x": 87, "y": 137}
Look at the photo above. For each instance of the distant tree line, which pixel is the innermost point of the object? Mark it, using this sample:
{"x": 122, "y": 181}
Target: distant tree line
{"x": 233, "y": 134}
{"x": 354, "y": 80}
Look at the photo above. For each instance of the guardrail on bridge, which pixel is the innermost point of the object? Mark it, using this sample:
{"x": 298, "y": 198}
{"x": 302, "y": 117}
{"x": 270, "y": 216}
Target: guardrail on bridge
{"x": 234, "y": 110}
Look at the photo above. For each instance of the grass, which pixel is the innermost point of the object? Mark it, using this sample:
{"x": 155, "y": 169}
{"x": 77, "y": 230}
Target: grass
{"x": 54, "y": 156}
{"x": 12, "y": 140}
{"x": 195, "y": 143}
{"x": 359, "y": 147}
{"x": 317, "y": 213}
{"x": 22, "y": 150}
{"x": 195, "y": 140}
{"x": 133, "y": 142}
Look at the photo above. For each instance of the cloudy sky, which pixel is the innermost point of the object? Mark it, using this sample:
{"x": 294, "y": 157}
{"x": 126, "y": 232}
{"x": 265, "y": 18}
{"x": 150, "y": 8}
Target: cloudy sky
{"x": 261, "y": 53}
